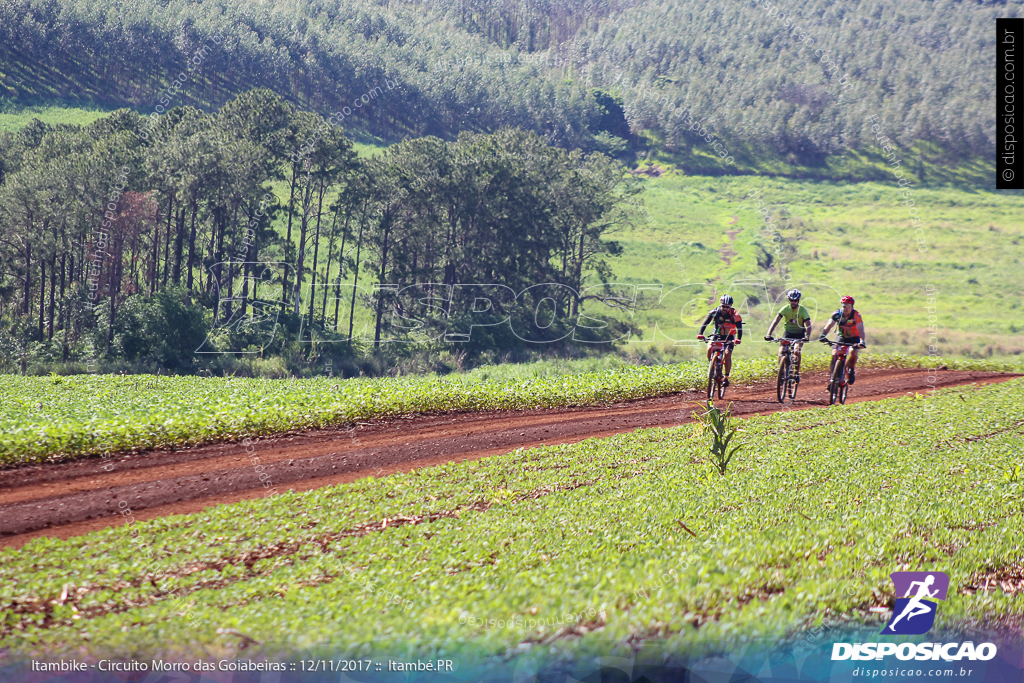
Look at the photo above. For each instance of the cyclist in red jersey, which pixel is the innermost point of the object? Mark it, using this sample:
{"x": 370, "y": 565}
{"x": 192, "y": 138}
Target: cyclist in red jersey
{"x": 728, "y": 327}
{"x": 851, "y": 331}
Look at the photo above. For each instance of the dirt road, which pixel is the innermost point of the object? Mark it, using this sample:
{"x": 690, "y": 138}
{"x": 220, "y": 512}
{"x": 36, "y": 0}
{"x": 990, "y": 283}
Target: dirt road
{"x": 74, "y": 498}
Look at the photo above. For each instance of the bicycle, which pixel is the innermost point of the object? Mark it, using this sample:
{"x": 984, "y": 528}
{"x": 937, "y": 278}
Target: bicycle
{"x": 715, "y": 377}
{"x": 837, "y": 383}
{"x": 785, "y": 385}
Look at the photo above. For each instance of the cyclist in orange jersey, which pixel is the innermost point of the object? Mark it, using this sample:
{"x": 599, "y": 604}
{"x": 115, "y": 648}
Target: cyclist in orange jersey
{"x": 851, "y": 331}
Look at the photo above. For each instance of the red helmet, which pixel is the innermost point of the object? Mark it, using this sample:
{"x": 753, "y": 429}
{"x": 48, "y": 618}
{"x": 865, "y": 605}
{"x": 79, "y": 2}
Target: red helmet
{"x": 846, "y": 300}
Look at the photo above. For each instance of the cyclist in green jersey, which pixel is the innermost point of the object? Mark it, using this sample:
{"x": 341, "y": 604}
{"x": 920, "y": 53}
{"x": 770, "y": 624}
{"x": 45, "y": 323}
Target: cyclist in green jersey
{"x": 798, "y": 326}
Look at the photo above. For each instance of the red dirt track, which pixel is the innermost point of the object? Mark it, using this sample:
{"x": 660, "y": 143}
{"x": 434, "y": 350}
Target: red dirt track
{"x": 74, "y": 498}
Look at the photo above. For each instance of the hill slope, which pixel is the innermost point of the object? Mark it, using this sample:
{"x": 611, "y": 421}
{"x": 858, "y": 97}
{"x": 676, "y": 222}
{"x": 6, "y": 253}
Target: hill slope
{"x": 791, "y": 84}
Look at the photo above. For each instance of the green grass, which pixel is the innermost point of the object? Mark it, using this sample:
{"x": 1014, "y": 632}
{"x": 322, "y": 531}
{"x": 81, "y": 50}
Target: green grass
{"x": 47, "y": 419}
{"x": 813, "y": 515}
{"x": 844, "y": 238}
{"x": 924, "y": 162}
{"x": 367, "y": 147}
{"x": 15, "y": 117}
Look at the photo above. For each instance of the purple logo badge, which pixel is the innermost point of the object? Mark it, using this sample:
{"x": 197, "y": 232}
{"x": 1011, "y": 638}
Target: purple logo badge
{"x": 914, "y": 612}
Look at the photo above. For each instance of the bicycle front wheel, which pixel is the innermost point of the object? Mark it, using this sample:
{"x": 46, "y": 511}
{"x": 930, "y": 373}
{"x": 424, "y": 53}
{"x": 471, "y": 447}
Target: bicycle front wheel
{"x": 842, "y": 393}
{"x": 782, "y": 382}
{"x": 837, "y": 380}
{"x": 711, "y": 376}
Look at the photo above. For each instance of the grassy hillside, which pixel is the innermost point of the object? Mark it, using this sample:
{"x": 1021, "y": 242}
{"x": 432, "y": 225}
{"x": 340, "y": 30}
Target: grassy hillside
{"x": 852, "y": 238}
{"x": 13, "y": 118}
{"x": 636, "y": 537}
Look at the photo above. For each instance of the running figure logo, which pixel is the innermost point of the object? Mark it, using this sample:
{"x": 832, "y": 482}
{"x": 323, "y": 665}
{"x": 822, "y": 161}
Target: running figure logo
{"x": 914, "y": 613}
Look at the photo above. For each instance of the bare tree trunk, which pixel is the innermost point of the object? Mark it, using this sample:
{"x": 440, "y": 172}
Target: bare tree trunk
{"x": 578, "y": 284}
{"x": 327, "y": 273}
{"x": 291, "y": 205}
{"x": 28, "y": 276}
{"x": 316, "y": 251}
{"x": 53, "y": 287}
{"x": 381, "y": 276}
{"x": 179, "y": 244}
{"x": 303, "y": 227}
{"x": 231, "y": 259}
{"x": 156, "y": 251}
{"x": 192, "y": 243}
{"x": 250, "y": 255}
{"x": 167, "y": 240}
{"x": 355, "y": 281}
{"x": 42, "y": 294}
{"x": 63, "y": 276}
{"x": 112, "y": 288}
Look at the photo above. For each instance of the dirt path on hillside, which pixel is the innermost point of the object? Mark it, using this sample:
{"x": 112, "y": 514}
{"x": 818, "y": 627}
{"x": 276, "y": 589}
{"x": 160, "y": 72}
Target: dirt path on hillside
{"x": 74, "y": 498}
{"x": 727, "y": 252}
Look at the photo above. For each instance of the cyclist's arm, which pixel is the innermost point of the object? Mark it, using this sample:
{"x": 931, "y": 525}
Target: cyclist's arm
{"x": 704, "y": 324}
{"x": 807, "y": 328}
{"x": 778, "y": 317}
{"x": 828, "y": 327}
{"x": 739, "y": 330}
{"x": 860, "y": 331}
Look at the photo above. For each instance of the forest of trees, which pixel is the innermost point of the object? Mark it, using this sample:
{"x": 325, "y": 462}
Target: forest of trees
{"x": 759, "y": 81}
{"x": 134, "y": 237}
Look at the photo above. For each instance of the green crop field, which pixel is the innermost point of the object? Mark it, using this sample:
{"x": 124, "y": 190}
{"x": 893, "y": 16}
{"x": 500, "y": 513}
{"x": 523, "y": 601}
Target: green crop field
{"x": 585, "y": 547}
{"x": 46, "y": 419}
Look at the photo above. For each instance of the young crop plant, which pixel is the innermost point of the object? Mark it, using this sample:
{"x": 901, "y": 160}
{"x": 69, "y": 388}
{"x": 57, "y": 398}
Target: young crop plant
{"x": 714, "y": 424}
{"x": 1013, "y": 481}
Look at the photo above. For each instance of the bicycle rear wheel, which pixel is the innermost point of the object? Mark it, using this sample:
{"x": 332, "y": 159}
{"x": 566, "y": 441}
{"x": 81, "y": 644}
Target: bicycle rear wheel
{"x": 782, "y": 383}
{"x": 834, "y": 386}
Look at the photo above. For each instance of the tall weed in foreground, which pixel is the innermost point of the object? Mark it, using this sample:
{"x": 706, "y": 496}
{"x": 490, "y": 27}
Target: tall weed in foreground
{"x": 714, "y": 423}
{"x": 1013, "y": 482}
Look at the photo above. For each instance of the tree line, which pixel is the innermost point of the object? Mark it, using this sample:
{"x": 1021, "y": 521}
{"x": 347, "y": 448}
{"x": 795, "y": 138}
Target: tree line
{"x": 134, "y": 236}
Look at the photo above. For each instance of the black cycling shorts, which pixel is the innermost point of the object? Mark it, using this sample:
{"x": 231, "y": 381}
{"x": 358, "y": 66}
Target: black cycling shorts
{"x": 850, "y": 340}
{"x": 793, "y": 335}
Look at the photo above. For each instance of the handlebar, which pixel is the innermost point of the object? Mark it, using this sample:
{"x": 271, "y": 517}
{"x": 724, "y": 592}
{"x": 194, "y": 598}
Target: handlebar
{"x": 779, "y": 339}
{"x": 858, "y": 345}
